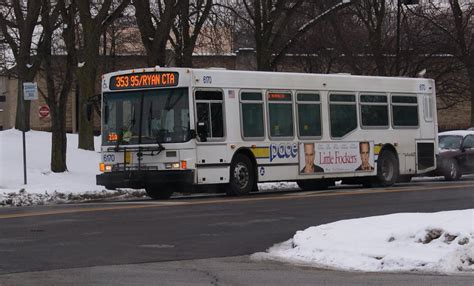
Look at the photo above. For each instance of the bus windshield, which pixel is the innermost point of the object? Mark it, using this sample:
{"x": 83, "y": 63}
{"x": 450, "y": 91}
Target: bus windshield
{"x": 162, "y": 114}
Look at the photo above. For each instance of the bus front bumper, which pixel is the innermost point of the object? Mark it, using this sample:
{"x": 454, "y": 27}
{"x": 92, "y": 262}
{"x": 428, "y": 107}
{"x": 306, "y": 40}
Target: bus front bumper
{"x": 143, "y": 179}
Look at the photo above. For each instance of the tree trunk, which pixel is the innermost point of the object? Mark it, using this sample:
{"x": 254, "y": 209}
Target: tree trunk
{"x": 157, "y": 55}
{"x": 470, "y": 73}
{"x": 59, "y": 140}
{"x": 86, "y": 78}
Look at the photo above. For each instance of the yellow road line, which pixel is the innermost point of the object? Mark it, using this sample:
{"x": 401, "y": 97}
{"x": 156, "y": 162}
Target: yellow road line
{"x": 233, "y": 200}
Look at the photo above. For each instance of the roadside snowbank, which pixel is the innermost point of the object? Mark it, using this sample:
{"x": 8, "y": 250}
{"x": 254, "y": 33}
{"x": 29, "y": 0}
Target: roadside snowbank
{"x": 440, "y": 242}
{"x": 44, "y": 186}
{"x": 75, "y": 185}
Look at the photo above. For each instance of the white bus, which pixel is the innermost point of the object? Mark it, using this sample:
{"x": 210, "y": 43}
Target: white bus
{"x": 165, "y": 129}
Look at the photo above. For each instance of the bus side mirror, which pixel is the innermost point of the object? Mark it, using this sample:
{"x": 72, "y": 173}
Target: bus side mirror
{"x": 202, "y": 131}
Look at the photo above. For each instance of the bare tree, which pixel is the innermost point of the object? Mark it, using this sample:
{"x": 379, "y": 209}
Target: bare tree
{"x": 192, "y": 14}
{"x": 94, "y": 18}
{"x": 58, "y": 22}
{"x": 155, "y": 22}
{"x": 273, "y": 26}
{"x": 455, "y": 22}
{"x": 18, "y": 20}
{"x": 216, "y": 35}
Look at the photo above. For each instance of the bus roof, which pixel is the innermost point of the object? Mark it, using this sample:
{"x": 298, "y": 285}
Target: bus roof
{"x": 221, "y": 78}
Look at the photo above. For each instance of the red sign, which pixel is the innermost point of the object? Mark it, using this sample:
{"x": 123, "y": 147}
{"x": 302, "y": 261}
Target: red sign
{"x": 43, "y": 111}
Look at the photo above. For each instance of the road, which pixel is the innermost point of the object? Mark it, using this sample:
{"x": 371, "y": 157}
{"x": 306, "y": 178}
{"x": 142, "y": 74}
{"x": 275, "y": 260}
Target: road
{"x": 180, "y": 240}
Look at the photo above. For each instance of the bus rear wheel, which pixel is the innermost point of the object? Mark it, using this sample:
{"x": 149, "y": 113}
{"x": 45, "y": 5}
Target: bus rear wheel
{"x": 387, "y": 169}
{"x": 163, "y": 192}
{"x": 242, "y": 176}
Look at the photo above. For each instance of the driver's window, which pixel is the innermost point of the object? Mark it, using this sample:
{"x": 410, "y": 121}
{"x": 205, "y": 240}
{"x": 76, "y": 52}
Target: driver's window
{"x": 469, "y": 142}
{"x": 209, "y": 109}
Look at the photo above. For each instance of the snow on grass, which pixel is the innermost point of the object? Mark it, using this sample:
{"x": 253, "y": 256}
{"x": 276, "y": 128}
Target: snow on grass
{"x": 440, "y": 242}
{"x": 44, "y": 186}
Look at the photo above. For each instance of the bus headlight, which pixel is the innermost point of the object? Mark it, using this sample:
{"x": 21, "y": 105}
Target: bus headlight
{"x": 105, "y": 168}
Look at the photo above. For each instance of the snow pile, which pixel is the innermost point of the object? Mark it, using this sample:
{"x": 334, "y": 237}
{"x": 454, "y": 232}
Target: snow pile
{"x": 440, "y": 242}
{"x": 44, "y": 186}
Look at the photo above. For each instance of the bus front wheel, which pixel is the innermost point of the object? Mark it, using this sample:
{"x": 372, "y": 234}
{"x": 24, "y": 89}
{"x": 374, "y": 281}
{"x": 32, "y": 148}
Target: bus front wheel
{"x": 387, "y": 169}
{"x": 159, "y": 192}
{"x": 242, "y": 176}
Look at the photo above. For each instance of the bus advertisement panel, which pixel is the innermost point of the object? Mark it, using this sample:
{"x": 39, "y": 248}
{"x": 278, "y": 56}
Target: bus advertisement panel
{"x": 336, "y": 157}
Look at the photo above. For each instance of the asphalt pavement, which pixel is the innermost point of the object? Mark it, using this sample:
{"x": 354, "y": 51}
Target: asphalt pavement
{"x": 202, "y": 240}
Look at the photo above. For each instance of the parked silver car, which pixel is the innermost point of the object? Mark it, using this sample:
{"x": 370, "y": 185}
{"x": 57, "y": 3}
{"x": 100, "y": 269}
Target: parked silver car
{"x": 456, "y": 154}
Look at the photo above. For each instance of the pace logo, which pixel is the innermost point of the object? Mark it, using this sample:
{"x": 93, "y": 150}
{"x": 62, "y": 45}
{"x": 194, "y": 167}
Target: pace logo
{"x": 283, "y": 151}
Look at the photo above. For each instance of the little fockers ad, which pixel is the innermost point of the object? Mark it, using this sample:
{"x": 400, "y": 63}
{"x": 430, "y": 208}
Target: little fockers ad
{"x": 336, "y": 157}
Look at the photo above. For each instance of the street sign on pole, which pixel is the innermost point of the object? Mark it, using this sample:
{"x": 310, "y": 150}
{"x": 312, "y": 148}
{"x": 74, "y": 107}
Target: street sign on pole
{"x": 30, "y": 90}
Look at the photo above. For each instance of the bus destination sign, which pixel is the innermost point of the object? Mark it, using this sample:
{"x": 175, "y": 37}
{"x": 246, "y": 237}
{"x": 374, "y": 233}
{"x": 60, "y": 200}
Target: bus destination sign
{"x": 144, "y": 80}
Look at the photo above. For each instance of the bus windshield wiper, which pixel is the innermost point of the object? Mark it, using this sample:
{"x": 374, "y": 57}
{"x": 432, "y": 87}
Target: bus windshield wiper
{"x": 119, "y": 140}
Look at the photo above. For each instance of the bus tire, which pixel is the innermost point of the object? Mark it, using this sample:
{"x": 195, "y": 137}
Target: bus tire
{"x": 159, "y": 192}
{"x": 242, "y": 176}
{"x": 314, "y": 185}
{"x": 387, "y": 169}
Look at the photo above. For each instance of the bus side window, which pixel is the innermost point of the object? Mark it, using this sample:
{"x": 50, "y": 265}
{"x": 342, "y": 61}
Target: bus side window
{"x": 309, "y": 114}
{"x": 343, "y": 114}
{"x": 210, "y": 111}
{"x": 405, "y": 111}
{"x": 374, "y": 111}
{"x": 280, "y": 113}
{"x": 251, "y": 106}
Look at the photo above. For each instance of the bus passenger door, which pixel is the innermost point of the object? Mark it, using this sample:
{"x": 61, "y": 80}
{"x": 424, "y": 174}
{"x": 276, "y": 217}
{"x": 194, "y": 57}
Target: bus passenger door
{"x": 212, "y": 164}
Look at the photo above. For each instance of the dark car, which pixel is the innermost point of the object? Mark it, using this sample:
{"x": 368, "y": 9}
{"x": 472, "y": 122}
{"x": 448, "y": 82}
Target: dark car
{"x": 456, "y": 154}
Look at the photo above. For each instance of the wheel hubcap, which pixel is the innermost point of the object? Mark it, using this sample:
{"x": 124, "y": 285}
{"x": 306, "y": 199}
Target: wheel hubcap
{"x": 241, "y": 175}
{"x": 452, "y": 170}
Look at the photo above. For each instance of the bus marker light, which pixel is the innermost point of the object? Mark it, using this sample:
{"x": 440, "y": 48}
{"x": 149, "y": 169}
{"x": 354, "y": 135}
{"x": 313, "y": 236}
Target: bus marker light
{"x": 395, "y": 144}
{"x": 183, "y": 164}
{"x": 102, "y": 167}
{"x": 254, "y": 146}
{"x": 108, "y": 168}
{"x": 232, "y": 146}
